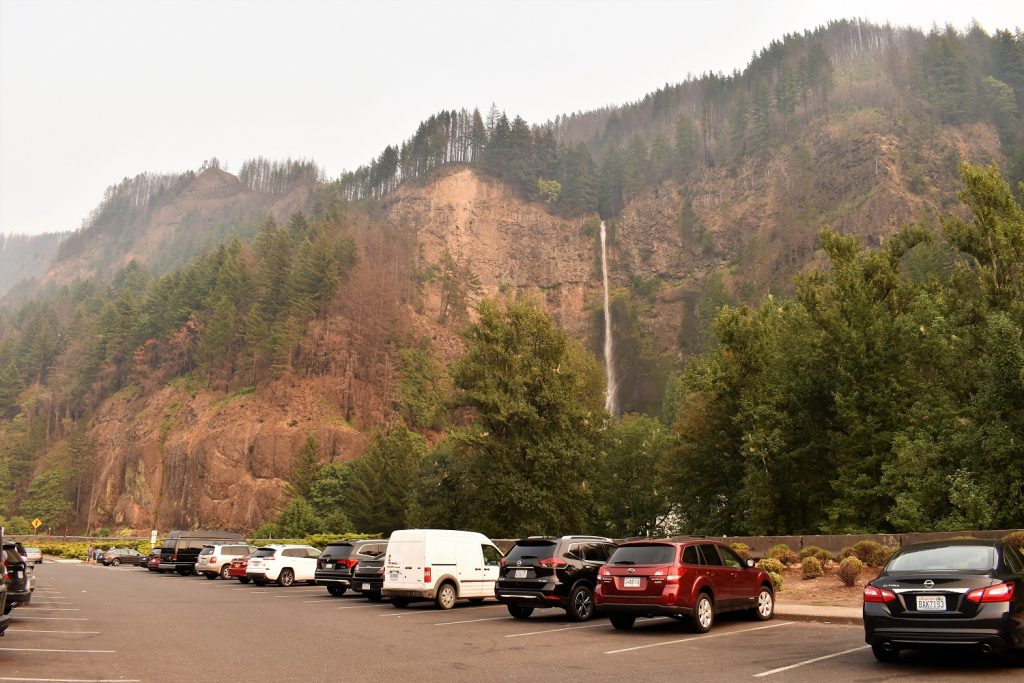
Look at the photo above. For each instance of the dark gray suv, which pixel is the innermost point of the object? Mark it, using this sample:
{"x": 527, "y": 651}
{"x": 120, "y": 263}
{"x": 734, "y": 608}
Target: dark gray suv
{"x": 334, "y": 567}
{"x": 549, "y": 571}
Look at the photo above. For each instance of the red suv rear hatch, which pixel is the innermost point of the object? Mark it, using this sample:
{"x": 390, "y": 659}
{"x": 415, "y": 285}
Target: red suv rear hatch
{"x": 639, "y": 571}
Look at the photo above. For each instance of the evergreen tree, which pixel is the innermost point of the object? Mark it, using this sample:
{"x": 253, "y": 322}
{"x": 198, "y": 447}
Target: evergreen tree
{"x": 305, "y": 467}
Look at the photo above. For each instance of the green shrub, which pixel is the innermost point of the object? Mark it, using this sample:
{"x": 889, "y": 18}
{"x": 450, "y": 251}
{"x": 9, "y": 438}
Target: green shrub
{"x": 771, "y": 565}
{"x": 846, "y": 552}
{"x": 811, "y": 568}
{"x": 849, "y": 569}
{"x": 823, "y": 555}
{"x": 783, "y": 553}
{"x": 871, "y": 553}
{"x": 742, "y": 549}
{"x": 777, "y": 580}
{"x": 1016, "y": 538}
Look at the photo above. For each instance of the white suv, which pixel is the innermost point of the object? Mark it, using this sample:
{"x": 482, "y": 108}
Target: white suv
{"x": 214, "y": 560}
{"x": 285, "y": 564}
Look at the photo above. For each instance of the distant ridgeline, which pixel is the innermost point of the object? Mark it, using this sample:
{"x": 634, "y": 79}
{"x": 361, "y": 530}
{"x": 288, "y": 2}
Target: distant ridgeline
{"x": 598, "y": 160}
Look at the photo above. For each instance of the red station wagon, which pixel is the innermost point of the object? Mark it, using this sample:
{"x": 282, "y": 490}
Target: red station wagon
{"x": 686, "y": 578}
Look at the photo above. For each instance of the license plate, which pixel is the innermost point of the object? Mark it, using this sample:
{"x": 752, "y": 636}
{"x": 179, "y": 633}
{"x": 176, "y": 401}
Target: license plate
{"x": 327, "y": 565}
{"x": 631, "y": 582}
{"x": 520, "y": 574}
{"x": 366, "y": 586}
{"x": 931, "y": 603}
{"x": 393, "y": 576}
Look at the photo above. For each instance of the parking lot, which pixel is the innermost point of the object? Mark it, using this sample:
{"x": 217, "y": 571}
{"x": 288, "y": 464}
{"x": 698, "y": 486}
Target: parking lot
{"x": 89, "y": 622}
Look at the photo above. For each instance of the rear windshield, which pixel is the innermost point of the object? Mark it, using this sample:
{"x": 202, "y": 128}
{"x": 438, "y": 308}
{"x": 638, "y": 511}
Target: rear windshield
{"x": 265, "y": 552}
{"x": 532, "y": 550}
{"x": 338, "y": 551}
{"x": 644, "y": 554}
{"x": 950, "y": 558}
{"x": 207, "y": 550}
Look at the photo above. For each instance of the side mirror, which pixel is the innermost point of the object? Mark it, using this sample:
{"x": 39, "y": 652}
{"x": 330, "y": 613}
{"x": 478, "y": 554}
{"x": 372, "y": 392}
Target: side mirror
{"x": 750, "y": 563}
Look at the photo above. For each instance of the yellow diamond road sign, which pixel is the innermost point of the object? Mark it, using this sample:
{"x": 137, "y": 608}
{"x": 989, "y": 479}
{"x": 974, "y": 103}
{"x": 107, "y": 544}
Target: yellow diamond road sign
{"x": 36, "y": 523}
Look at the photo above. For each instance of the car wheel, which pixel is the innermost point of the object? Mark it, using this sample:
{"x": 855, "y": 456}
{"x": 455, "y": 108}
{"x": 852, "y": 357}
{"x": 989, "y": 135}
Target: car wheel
{"x": 116, "y": 562}
{"x": 260, "y": 582}
{"x": 703, "y": 614}
{"x": 623, "y": 622}
{"x": 286, "y": 578}
{"x": 244, "y": 579}
{"x": 211, "y": 575}
{"x": 184, "y": 571}
{"x": 883, "y": 655}
{"x": 8, "y": 607}
{"x": 445, "y": 598}
{"x": 225, "y": 572}
{"x": 336, "y": 590}
{"x": 581, "y": 603}
{"x": 520, "y": 611}
{"x": 765, "y": 609}
{"x": 374, "y": 597}
{"x": 400, "y": 603}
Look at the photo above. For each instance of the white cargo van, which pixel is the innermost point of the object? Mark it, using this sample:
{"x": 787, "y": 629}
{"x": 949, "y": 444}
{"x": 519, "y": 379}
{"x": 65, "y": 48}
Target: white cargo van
{"x": 440, "y": 565}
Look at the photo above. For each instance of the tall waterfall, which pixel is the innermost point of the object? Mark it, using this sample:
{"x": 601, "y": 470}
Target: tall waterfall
{"x": 611, "y": 404}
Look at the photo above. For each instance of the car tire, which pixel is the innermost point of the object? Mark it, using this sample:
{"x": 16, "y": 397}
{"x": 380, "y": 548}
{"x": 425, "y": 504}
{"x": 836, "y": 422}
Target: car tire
{"x": 8, "y": 607}
{"x": 374, "y": 597}
{"x": 703, "y": 614}
{"x": 400, "y": 603}
{"x": 116, "y": 562}
{"x": 446, "y": 596}
{"x": 184, "y": 571}
{"x": 260, "y": 582}
{"x": 883, "y": 655}
{"x": 286, "y": 577}
{"x": 211, "y": 575}
{"x": 244, "y": 579}
{"x": 581, "y": 603}
{"x": 476, "y": 601}
{"x": 765, "y": 609}
{"x": 520, "y": 611}
{"x": 336, "y": 590}
{"x": 622, "y": 622}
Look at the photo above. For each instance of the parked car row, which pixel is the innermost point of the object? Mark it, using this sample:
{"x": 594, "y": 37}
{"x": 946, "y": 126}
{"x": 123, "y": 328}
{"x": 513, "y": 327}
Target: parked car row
{"x": 964, "y": 592}
{"x": 18, "y": 577}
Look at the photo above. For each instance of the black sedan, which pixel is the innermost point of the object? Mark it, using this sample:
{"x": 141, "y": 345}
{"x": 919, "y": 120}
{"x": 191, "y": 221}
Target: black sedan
{"x": 118, "y": 556}
{"x": 947, "y": 593}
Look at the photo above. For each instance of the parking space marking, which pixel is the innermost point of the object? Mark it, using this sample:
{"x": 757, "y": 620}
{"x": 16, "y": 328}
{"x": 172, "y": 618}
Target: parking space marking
{"x": 56, "y": 609}
{"x": 31, "y": 649}
{"x": 310, "y": 602}
{"x": 696, "y": 638}
{"x": 467, "y": 621}
{"x": 810, "y": 661}
{"x": 53, "y": 618}
{"x": 32, "y": 630}
{"x": 363, "y": 607}
{"x": 73, "y": 680}
{"x": 572, "y": 628}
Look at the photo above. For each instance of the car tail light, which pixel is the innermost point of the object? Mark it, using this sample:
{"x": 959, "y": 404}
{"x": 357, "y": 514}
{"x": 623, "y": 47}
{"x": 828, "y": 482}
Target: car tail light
{"x": 213, "y": 559}
{"x": 604, "y": 571}
{"x": 501, "y": 562}
{"x": 351, "y": 563}
{"x": 553, "y": 562}
{"x": 426, "y": 575}
{"x": 872, "y": 594}
{"x": 174, "y": 557}
{"x": 1001, "y": 592}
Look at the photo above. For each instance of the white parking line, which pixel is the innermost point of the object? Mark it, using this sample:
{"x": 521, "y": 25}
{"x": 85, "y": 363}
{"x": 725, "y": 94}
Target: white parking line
{"x": 56, "y": 609}
{"x": 22, "y": 632}
{"x": 30, "y": 649}
{"x": 310, "y": 602}
{"x": 695, "y": 639}
{"x": 810, "y": 661}
{"x": 19, "y": 618}
{"x": 73, "y": 680}
{"x": 365, "y": 607}
{"x": 572, "y": 628}
{"x": 467, "y": 621}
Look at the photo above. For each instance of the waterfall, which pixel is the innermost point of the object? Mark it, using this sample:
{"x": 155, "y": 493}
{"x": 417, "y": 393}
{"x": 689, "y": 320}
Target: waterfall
{"x": 610, "y": 402}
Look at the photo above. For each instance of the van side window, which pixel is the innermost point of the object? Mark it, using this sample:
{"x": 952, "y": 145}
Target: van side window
{"x": 491, "y": 555}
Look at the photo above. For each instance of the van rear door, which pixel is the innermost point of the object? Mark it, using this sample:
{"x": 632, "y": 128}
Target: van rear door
{"x": 403, "y": 565}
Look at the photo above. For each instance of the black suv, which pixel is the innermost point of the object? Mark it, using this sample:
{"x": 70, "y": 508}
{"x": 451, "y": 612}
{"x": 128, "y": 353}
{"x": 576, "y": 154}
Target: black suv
{"x": 334, "y": 566}
{"x": 368, "y": 577}
{"x": 548, "y": 571}
{"x": 19, "y": 591}
{"x": 181, "y": 549}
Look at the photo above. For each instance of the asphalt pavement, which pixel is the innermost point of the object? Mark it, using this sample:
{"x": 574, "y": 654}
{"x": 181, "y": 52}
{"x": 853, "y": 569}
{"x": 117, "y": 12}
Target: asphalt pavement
{"x": 94, "y": 623}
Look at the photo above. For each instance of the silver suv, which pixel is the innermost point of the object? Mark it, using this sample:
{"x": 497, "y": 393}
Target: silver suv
{"x": 214, "y": 560}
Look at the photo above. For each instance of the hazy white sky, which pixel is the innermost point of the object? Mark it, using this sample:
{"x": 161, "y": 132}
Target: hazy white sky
{"x": 92, "y": 91}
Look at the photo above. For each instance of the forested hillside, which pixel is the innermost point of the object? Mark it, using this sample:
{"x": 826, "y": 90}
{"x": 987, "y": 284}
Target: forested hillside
{"x": 426, "y": 330}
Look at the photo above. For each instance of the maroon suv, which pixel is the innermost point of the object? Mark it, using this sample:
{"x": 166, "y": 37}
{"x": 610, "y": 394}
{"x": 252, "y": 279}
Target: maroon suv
{"x": 686, "y": 578}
